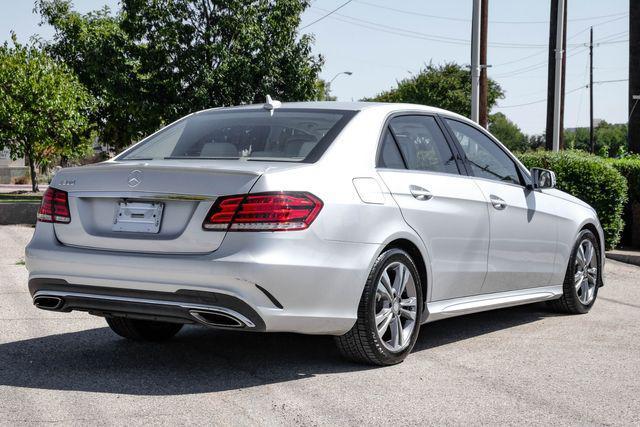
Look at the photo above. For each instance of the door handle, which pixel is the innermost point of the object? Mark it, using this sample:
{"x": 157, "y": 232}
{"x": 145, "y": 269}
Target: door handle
{"x": 497, "y": 202}
{"x": 420, "y": 193}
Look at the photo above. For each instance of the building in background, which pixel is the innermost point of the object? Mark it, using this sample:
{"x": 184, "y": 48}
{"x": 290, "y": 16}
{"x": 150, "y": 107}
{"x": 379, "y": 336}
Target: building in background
{"x": 11, "y": 170}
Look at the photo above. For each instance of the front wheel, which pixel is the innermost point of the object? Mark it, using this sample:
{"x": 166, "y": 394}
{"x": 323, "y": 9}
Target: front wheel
{"x": 143, "y": 330}
{"x": 389, "y": 313}
{"x": 580, "y": 287}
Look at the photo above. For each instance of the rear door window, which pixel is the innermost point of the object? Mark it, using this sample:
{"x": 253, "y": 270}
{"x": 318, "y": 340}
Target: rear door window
{"x": 423, "y": 144}
{"x": 390, "y": 156}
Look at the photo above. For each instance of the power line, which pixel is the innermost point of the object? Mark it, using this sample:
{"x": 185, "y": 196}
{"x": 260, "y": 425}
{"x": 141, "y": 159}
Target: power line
{"x": 571, "y": 91}
{"x": 533, "y": 67}
{"x": 544, "y": 50}
{"x": 423, "y": 36}
{"x": 541, "y": 64}
{"x": 328, "y": 14}
{"x": 450, "y": 18}
{"x": 540, "y": 100}
{"x": 614, "y": 42}
{"x": 611, "y": 81}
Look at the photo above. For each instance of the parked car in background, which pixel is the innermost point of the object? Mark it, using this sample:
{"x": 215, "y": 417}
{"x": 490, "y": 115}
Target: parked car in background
{"x": 358, "y": 220}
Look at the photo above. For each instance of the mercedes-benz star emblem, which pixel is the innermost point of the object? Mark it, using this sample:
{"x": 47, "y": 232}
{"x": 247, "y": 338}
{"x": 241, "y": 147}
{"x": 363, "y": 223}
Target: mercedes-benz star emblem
{"x": 134, "y": 178}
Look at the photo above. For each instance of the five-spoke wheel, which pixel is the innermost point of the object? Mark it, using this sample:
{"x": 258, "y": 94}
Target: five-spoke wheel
{"x": 396, "y": 306}
{"x": 389, "y": 312}
{"x": 581, "y": 282}
{"x": 586, "y": 271}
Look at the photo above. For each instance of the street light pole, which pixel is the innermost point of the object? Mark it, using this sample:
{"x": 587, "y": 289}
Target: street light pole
{"x": 346, "y": 73}
{"x": 327, "y": 86}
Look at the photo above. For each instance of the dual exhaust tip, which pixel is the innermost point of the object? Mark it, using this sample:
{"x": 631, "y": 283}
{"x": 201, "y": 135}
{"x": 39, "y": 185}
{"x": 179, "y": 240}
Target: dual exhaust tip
{"x": 48, "y": 303}
{"x": 213, "y": 318}
{"x": 217, "y": 319}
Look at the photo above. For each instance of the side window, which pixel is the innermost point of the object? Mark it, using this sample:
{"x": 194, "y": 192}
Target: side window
{"x": 422, "y": 144}
{"x": 390, "y": 156}
{"x": 487, "y": 160}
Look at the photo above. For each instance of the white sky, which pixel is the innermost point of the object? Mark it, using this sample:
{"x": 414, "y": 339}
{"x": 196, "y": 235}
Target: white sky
{"x": 381, "y": 46}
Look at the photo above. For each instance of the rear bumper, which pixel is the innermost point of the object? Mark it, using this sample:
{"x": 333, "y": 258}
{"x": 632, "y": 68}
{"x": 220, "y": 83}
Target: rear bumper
{"x": 281, "y": 282}
{"x": 208, "y": 308}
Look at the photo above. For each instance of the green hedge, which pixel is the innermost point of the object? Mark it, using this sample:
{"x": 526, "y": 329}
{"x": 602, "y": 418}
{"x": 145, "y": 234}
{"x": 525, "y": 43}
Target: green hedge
{"x": 591, "y": 179}
{"x": 629, "y": 167}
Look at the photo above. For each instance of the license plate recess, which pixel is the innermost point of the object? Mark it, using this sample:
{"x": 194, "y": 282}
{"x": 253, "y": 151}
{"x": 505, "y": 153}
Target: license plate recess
{"x": 138, "y": 217}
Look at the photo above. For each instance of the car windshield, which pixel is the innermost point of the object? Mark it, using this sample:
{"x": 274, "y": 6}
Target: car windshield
{"x": 278, "y": 135}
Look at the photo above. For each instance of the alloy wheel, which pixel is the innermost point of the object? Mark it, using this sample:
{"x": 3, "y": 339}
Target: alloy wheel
{"x": 586, "y": 272}
{"x": 396, "y": 307}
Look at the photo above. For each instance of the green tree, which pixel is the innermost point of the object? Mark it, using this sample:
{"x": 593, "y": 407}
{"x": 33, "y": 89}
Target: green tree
{"x": 445, "y": 86}
{"x": 323, "y": 91}
{"x": 536, "y": 142}
{"x": 100, "y": 52}
{"x": 610, "y": 139}
{"x": 508, "y": 132}
{"x": 43, "y": 107}
{"x": 152, "y": 62}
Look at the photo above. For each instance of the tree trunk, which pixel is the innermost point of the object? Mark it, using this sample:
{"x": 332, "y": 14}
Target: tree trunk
{"x": 32, "y": 171}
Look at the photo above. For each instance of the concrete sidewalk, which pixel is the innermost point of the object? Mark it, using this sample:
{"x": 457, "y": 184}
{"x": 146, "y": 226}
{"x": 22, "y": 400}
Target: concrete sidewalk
{"x": 629, "y": 256}
{"x": 12, "y": 188}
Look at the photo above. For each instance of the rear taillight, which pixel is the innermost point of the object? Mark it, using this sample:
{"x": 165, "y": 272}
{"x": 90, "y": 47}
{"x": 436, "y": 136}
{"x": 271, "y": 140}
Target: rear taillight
{"x": 54, "y": 207}
{"x": 283, "y": 211}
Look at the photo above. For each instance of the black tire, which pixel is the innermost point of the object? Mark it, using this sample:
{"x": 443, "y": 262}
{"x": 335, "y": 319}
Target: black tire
{"x": 362, "y": 343}
{"x": 143, "y": 330}
{"x": 570, "y": 302}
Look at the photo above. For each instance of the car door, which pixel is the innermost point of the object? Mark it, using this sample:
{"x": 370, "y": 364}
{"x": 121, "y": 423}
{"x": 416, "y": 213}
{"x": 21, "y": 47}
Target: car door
{"x": 522, "y": 225}
{"x": 444, "y": 207}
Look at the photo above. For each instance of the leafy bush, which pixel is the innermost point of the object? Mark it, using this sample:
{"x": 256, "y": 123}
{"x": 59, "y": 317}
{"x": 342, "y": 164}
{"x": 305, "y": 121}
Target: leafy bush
{"x": 629, "y": 167}
{"x": 591, "y": 179}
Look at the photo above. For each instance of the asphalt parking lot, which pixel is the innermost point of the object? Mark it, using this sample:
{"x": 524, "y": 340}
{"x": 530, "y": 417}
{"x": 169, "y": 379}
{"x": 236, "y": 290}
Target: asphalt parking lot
{"x": 523, "y": 365}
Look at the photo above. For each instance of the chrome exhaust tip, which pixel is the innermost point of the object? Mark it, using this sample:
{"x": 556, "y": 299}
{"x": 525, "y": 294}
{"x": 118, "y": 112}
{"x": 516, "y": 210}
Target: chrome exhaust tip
{"x": 45, "y": 302}
{"x": 218, "y": 319}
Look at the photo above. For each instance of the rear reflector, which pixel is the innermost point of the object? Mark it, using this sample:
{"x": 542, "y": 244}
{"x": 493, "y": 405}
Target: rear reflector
{"x": 283, "y": 211}
{"x": 54, "y": 207}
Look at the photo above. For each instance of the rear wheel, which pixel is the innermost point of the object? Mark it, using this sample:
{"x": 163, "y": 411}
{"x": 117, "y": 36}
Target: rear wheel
{"x": 580, "y": 287}
{"x": 143, "y": 330}
{"x": 388, "y": 314}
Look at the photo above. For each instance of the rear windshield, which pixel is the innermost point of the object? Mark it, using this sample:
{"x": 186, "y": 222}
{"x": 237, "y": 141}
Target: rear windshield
{"x": 294, "y": 135}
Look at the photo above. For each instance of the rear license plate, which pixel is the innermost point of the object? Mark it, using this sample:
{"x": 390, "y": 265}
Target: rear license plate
{"x": 138, "y": 217}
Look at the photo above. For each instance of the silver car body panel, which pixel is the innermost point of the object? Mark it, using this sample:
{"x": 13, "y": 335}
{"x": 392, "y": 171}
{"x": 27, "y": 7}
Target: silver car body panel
{"x": 317, "y": 274}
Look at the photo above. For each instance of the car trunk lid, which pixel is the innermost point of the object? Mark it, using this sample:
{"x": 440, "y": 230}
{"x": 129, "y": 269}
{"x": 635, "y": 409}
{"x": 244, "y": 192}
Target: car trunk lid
{"x": 154, "y": 207}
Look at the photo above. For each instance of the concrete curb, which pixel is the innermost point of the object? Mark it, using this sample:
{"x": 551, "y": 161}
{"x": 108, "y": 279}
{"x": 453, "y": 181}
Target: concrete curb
{"x": 18, "y": 213}
{"x": 628, "y": 257}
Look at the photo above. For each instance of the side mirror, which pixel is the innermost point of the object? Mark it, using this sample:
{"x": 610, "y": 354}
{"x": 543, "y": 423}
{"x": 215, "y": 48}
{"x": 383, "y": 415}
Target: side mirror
{"x": 543, "y": 178}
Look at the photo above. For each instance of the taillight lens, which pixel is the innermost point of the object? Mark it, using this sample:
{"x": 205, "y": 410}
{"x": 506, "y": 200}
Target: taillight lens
{"x": 54, "y": 207}
{"x": 283, "y": 211}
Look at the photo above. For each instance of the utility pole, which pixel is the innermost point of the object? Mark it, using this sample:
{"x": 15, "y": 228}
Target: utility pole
{"x": 557, "y": 37}
{"x": 551, "y": 69}
{"x": 591, "y": 140}
{"x": 484, "y": 84}
{"x": 564, "y": 74}
{"x": 634, "y": 76}
{"x": 475, "y": 61}
{"x": 557, "y": 90}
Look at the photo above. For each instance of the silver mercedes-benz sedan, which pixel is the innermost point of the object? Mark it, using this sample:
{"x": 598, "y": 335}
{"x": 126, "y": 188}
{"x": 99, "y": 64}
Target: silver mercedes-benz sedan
{"x": 358, "y": 220}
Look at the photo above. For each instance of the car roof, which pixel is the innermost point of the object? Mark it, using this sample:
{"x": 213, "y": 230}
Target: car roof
{"x": 349, "y": 106}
